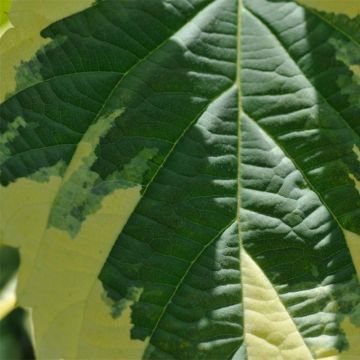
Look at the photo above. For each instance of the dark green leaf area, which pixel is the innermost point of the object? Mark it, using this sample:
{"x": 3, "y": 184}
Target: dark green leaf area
{"x": 66, "y": 86}
{"x": 180, "y": 245}
{"x": 302, "y": 98}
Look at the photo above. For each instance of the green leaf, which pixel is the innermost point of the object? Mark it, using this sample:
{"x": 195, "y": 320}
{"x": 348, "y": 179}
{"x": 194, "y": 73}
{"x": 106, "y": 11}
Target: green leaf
{"x": 15, "y": 342}
{"x": 182, "y": 179}
{"x": 4, "y": 21}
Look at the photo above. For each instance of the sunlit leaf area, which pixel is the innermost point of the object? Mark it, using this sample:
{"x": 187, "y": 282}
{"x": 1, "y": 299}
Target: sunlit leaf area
{"x": 179, "y": 179}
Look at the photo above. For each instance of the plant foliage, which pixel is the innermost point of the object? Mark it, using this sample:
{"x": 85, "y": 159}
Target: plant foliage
{"x": 182, "y": 179}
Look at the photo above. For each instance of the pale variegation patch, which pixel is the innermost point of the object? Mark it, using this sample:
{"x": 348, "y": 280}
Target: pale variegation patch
{"x": 4, "y": 19}
{"x": 356, "y": 150}
{"x": 59, "y": 268}
{"x": 350, "y": 8}
{"x": 351, "y": 330}
{"x": 90, "y": 140}
{"x": 79, "y": 180}
{"x": 270, "y": 333}
{"x": 356, "y": 181}
{"x": 353, "y": 242}
{"x": 20, "y": 42}
{"x": 58, "y": 274}
{"x": 82, "y": 189}
{"x": 352, "y": 335}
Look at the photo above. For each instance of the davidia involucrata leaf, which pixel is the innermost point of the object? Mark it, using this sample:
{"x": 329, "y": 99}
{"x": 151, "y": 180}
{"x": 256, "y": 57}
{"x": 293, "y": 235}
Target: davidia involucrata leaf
{"x": 182, "y": 177}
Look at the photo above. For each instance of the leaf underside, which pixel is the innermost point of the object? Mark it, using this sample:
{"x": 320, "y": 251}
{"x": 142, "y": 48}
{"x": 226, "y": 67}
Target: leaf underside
{"x": 194, "y": 163}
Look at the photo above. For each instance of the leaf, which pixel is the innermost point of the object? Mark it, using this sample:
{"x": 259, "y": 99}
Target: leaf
{"x": 182, "y": 181}
{"x": 15, "y": 343}
{"x": 9, "y": 262}
{"x": 4, "y": 22}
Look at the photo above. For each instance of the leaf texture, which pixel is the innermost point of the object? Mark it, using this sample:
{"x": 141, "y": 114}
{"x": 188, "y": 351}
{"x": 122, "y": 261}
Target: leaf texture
{"x": 182, "y": 180}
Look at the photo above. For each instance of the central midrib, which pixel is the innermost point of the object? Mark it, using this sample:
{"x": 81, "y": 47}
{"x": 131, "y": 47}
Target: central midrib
{"x": 238, "y": 193}
{"x": 238, "y": 216}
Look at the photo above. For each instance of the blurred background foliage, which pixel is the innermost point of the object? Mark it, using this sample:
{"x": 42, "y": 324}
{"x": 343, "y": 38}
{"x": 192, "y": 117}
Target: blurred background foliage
{"x": 4, "y": 20}
{"x": 15, "y": 343}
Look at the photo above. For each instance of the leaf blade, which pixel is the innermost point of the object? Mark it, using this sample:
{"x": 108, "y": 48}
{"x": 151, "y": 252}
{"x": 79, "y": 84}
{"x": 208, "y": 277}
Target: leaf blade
{"x": 166, "y": 137}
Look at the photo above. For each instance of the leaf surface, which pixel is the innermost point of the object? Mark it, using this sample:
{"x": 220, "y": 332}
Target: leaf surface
{"x": 182, "y": 179}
